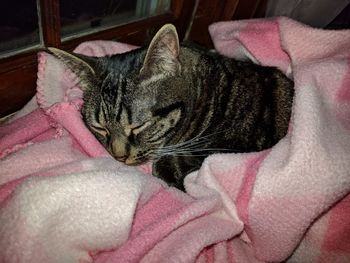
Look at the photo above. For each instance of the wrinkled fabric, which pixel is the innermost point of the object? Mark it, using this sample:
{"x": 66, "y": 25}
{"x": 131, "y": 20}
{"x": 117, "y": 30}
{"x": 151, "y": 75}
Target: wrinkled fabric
{"x": 63, "y": 198}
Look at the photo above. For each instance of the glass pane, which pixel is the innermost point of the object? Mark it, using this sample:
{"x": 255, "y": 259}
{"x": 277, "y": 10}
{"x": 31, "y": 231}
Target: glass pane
{"x": 86, "y": 16}
{"x": 19, "y": 26}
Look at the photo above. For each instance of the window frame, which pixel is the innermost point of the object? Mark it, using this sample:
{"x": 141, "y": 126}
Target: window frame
{"x": 18, "y": 71}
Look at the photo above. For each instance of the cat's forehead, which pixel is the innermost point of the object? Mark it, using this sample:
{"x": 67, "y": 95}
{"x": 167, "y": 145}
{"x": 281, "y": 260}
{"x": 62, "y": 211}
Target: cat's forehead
{"x": 142, "y": 103}
{"x": 139, "y": 113}
{"x": 142, "y": 92}
{"x": 151, "y": 81}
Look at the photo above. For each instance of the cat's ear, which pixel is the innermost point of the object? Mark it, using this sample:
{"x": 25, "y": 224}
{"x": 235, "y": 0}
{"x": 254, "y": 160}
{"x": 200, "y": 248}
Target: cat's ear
{"x": 84, "y": 67}
{"x": 162, "y": 54}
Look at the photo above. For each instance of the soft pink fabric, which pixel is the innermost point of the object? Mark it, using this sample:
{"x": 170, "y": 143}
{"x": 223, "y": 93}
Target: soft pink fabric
{"x": 309, "y": 170}
{"x": 64, "y": 199}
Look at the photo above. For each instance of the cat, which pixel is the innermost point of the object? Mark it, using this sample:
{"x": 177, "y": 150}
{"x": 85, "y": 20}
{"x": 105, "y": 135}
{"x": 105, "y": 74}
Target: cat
{"x": 176, "y": 104}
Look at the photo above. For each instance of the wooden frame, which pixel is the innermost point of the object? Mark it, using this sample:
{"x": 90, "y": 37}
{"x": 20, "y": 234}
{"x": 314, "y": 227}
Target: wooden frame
{"x": 210, "y": 11}
{"x": 18, "y": 72}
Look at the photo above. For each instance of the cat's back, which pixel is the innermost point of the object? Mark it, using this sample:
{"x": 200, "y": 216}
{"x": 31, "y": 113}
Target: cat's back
{"x": 249, "y": 101}
{"x": 210, "y": 63}
{"x": 233, "y": 73}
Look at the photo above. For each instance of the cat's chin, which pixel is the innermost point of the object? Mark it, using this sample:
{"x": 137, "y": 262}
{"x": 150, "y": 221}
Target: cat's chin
{"x": 129, "y": 161}
{"x": 132, "y": 162}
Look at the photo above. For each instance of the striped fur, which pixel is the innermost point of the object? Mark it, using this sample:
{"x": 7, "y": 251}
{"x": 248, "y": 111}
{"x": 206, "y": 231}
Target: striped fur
{"x": 176, "y": 105}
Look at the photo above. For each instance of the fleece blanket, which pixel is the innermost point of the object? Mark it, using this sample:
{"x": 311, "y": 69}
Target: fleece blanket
{"x": 64, "y": 199}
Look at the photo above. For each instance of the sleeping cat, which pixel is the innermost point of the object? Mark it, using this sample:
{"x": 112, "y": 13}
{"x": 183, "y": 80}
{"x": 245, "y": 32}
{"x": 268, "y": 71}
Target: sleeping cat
{"x": 176, "y": 104}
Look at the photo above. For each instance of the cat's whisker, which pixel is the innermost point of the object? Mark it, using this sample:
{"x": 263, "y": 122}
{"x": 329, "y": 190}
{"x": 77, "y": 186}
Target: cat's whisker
{"x": 196, "y": 138}
{"x": 190, "y": 155}
{"x": 194, "y": 141}
{"x": 188, "y": 146}
{"x": 183, "y": 144}
{"x": 184, "y": 148}
{"x": 212, "y": 149}
{"x": 193, "y": 152}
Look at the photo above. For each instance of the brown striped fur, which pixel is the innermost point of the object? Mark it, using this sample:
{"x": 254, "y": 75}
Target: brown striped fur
{"x": 178, "y": 104}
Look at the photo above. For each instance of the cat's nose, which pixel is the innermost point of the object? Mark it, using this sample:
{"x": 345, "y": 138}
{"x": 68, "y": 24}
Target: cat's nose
{"x": 118, "y": 150}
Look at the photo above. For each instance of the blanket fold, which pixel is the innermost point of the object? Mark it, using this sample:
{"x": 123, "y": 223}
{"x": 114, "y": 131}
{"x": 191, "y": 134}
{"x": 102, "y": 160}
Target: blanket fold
{"x": 63, "y": 198}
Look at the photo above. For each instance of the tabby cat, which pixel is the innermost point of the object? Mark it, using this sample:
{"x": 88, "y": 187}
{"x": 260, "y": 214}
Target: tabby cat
{"x": 176, "y": 104}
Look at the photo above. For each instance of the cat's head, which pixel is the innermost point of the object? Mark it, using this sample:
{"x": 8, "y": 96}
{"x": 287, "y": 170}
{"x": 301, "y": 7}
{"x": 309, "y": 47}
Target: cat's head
{"x": 131, "y": 100}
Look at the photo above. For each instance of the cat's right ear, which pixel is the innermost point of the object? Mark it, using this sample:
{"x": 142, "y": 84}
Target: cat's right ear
{"x": 163, "y": 52}
{"x": 84, "y": 67}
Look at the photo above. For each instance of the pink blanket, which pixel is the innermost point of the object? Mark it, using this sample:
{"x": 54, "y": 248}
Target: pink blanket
{"x": 64, "y": 199}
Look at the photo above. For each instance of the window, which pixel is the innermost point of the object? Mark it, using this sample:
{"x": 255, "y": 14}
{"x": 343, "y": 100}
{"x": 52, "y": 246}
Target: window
{"x": 26, "y": 26}
{"x": 19, "y": 28}
{"x": 79, "y": 19}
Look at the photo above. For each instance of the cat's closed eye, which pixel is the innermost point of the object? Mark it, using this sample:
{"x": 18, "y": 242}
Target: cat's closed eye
{"x": 100, "y": 130}
{"x": 137, "y": 128}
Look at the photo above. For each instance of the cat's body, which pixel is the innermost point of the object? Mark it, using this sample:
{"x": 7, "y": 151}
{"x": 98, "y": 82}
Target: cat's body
{"x": 178, "y": 105}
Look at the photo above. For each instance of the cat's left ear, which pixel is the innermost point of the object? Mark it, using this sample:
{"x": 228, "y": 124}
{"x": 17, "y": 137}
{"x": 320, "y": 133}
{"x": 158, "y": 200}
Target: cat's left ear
{"x": 162, "y": 54}
{"x": 84, "y": 67}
